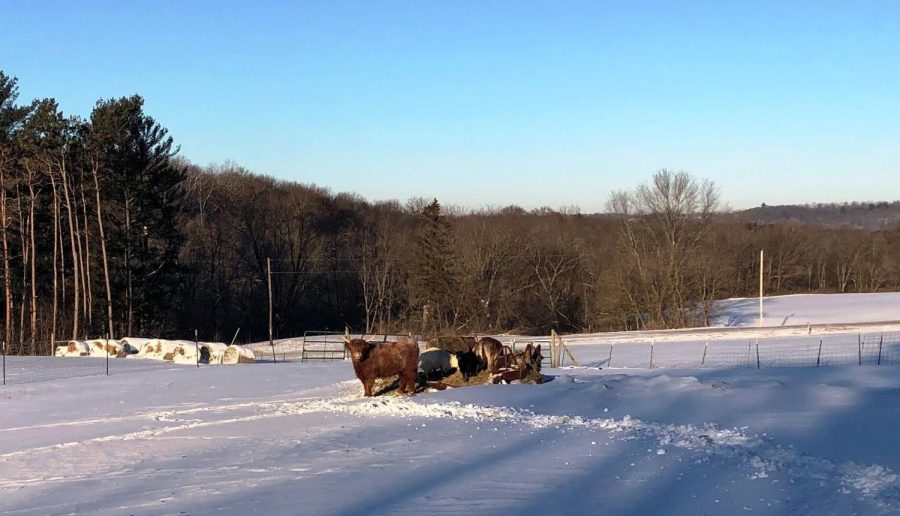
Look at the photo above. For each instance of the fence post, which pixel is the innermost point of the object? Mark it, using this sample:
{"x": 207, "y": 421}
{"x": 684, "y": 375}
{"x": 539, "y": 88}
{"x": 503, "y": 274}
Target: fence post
{"x": 4, "y": 362}
{"x": 703, "y": 360}
{"x": 609, "y": 360}
{"x": 555, "y": 352}
{"x": 749, "y": 346}
{"x": 652, "y": 345}
{"x": 859, "y": 347}
{"x": 269, "y": 280}
{"x": 880, "y": 342}
{"x": 197, "y": 348}
{"x": 819, "y": 356}
{"x": 107, "y": 354}
{"x": 757, "y": 354}
{"x": 566, "y": 349}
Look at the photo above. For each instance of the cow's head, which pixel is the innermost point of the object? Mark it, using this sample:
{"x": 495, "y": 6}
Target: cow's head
{"x": 359, "y": 349}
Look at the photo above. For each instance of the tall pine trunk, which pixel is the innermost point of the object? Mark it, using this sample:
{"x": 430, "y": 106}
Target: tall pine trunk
{"x": 25, "y": 257}
{"x": 33, "y": 267}
{"x": 128, "y": 261}
{"x": 55, "y": 260}
{"x": 89, "y": 305}
{"x": 7, "y": 290}
{"x": 109, "y": 313}
{"x": 75, "y": 260}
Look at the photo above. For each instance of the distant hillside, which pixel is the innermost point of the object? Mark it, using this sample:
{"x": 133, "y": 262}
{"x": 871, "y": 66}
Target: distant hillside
{"x": 862, "y": 215}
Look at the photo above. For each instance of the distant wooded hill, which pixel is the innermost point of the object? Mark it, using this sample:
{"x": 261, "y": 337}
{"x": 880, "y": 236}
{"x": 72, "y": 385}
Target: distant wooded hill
{"x": 860, "y": 215}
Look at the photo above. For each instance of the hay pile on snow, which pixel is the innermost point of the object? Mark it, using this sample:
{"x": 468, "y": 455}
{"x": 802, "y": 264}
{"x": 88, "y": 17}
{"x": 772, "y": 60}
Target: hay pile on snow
{"x": 235, "y": 354}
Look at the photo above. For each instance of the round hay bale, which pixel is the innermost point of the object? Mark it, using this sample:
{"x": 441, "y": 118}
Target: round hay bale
{"x": 184, "y": 352}
{"x": 235, "y": 354}
{"x": 133, "y": 345}
{"x": 100, "y": 347}
{"x": 78, "y": 348}
{"x": 212, "y": 352}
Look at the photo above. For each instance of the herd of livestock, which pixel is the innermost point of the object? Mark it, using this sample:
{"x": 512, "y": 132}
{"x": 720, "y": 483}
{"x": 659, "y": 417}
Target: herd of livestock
{"x": 469, "y": 356}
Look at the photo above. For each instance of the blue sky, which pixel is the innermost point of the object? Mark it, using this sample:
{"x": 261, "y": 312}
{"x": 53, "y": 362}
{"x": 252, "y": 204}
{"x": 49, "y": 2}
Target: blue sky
{"x": 490, "y": 102}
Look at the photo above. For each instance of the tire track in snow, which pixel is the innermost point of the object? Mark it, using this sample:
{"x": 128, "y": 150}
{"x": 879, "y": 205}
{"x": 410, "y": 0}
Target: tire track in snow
{"x": 874, "y": 482}
{"x": 262, "y": 410}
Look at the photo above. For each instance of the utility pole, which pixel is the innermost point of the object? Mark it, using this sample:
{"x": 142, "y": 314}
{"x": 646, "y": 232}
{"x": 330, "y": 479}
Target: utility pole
{"x": 761, "y": 261}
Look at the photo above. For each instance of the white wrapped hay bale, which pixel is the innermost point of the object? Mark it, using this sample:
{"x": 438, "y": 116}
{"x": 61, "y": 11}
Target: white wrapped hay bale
{"x": 183, "y": 352}
{"x": 74, "y": 348}
{"x": 150, "y": 349}
{"x": 133, "y": 345}
{"x": 238, "y": 355}
{"x": 159, "y": 349}
{"x": 100, "y": 347}
{"x": 212, "y": 352}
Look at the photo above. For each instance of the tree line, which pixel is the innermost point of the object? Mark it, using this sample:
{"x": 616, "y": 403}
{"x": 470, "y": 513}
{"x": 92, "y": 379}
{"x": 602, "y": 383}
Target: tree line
{"x": 106, "y": 230}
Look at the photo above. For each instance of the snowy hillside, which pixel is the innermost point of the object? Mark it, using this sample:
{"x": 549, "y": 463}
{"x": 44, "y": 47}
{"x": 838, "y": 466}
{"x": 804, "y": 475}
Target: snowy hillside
{"x": 801, "y": 309}
{"x": 297, "y": 438}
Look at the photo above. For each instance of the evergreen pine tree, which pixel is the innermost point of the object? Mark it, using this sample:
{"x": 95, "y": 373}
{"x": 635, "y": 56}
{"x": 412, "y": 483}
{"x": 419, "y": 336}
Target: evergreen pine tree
{"x": 435, "y": 280}
{"x": 142, "y": 186}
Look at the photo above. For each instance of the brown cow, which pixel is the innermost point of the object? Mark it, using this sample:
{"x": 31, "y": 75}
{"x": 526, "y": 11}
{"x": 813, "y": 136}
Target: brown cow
{"x": 371, "y": 361}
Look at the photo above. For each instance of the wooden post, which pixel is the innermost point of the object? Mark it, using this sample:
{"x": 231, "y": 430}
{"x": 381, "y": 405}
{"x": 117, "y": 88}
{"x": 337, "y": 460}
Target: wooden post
{"x": 859, "y": 346}
{"x": 107, "y": 354}
{"x": 554, "y": 350}
{"x": 652, "y": 345}
{"x": 761, "y": 260}
{"x": 757, "y": 354}
{"x": 703, "y": 360}
{"x": 557, "y": 349}
{"x": 880, "y": 342}
{"x": 566, "y": 349}
{"x": 609, "y": 360}
{"x": 271, "y": 338}
{"x": 819, "y": 356}
{"x": 4, "y": 362}
{"x": 197, "y": 348}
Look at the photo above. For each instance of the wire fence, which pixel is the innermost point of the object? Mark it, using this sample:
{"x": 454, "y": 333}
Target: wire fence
{"x": 315, "y": 346}
{"x": 18, "y": 370}
{"x": 870, "y": 349}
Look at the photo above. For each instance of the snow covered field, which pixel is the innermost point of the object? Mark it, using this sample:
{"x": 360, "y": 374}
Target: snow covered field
{"x": 802, "y": 309}
{"x": 297, "y": 438}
